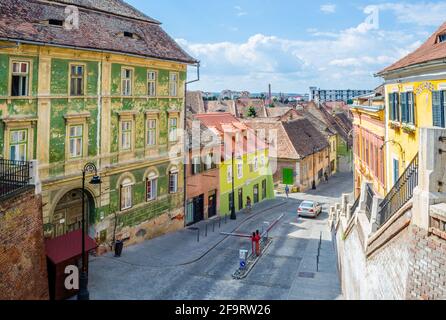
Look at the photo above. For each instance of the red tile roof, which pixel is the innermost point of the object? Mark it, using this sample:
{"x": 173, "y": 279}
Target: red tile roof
{"x": 429, "y": 51}
{"x": 224, "y": 123}
{"x": 99, "y": 29}
{"x": 68, "y": 246}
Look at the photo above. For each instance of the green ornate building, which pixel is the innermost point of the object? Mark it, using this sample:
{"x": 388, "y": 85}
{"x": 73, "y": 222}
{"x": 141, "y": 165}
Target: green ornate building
{"x": 106, "y": 87}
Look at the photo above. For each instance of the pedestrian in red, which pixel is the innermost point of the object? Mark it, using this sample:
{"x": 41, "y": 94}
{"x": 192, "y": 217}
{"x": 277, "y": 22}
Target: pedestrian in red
{"x": 257, "y": 241}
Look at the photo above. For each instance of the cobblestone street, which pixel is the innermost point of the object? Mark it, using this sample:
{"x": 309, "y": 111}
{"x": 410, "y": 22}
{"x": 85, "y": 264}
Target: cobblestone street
{"x": 178, "y": 267}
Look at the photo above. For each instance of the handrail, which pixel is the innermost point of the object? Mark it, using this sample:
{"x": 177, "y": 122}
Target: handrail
{"x": 355, "y": 206}
{"x": 369, "y": 201}
{"x": 401, "y": 193}
{"x": 14, "y": 176}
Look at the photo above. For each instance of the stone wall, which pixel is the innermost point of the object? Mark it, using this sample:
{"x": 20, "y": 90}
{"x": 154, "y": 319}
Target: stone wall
{"x": 427, "y": 273}
{"x": 23, "y": 270}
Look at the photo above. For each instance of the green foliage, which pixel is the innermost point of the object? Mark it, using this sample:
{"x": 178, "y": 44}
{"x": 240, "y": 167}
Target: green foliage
{"x": 252, "y": 112}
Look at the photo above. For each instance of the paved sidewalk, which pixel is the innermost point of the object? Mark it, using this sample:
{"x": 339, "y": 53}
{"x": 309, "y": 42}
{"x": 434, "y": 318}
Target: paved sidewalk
{"x": 182, "y": 246}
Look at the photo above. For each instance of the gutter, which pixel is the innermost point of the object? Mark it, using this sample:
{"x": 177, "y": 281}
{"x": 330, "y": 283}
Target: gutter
{"x": 382, "y": 74}
{"x": 49, "y": 44}
{"x": 186, "y": 152}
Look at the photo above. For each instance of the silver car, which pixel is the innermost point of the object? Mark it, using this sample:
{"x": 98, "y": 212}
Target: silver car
{"x": 309, "y": 209}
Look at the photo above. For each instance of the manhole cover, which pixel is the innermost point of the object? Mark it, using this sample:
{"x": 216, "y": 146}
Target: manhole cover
{"x": 308, "y": 275}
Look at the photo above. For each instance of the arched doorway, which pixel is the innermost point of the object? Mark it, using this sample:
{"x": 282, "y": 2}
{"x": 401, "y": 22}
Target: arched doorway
{"x": 67, "y": 215}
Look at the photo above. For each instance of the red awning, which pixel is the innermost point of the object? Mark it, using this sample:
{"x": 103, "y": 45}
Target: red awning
{"x": 68, "y": 246}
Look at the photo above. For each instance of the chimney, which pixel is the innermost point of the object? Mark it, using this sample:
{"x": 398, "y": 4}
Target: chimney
{"x": 270, "y": 95}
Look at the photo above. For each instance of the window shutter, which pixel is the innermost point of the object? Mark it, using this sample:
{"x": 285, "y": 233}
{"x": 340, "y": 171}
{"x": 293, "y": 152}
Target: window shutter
{"x": 391, "y": 107}
{"x": 404, "y": 108}
{"x": 437, "y": 110}
{"x": 413, "y": 116}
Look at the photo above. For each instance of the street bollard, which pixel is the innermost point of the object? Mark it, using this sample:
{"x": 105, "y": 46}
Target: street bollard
{"x": 213, "y": 226}
{"x": 219, "y": 222}
{"x": 206, "y": 230}
{"x": 198, "y": 234}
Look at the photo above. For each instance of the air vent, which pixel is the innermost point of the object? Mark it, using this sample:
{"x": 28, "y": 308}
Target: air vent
{"x": 128, "y": 34}
{"x": 54, "y": 22}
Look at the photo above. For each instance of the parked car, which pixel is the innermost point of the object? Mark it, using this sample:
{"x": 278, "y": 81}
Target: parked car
{"x": 309, "y": 209}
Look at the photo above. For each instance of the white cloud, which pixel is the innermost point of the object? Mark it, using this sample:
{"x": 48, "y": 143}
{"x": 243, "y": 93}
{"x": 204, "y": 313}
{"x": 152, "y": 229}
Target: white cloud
{"x": 328, "y": 8}
{"x": 421, "y": 13}
{"x": 239, "y": 11}
{"x": 344, "y": 59}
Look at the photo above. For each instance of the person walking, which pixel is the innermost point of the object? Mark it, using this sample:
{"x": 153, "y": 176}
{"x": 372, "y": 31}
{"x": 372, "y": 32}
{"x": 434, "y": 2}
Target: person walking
{"x": 248, "y": 204}
{"x": 287, "y": 191}
{"x": 326, "y": 177}
{"x": 257, "y": 242}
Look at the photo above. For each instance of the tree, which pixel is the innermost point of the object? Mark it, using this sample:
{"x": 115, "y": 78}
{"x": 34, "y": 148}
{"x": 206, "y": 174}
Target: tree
{"x": 252, "y": 112}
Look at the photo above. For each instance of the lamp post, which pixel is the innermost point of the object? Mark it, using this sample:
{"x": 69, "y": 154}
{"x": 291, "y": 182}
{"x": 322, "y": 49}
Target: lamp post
{"x": 233, "y": 215}
{"x": 83, "y": 279}
{"x": 314, "y": 170}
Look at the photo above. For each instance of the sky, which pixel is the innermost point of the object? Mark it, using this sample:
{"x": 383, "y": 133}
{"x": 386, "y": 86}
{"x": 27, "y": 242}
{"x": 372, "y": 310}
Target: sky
{"x": 247, "y": 44}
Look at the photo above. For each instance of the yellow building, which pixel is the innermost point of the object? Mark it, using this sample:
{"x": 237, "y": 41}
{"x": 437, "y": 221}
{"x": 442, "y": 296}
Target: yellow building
{"x": 369, "y": 137}
{"x": 415, "y": 93}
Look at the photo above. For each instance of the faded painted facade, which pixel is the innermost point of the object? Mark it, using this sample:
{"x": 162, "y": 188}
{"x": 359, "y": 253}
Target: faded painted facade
{"x": 112, "y": 109}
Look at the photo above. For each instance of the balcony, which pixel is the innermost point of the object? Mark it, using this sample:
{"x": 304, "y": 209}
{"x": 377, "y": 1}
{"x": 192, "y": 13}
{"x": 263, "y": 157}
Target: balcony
{"x": 15, "y": 176}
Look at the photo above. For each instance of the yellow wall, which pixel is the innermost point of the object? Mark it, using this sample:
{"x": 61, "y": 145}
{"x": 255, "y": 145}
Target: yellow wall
{"x": 423, "y": 118}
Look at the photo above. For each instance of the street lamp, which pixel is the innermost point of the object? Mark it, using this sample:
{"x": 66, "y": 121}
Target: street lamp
{"x": 83, "y": 279}
{"x": 233, "y": 215}
{"x": 314, "y": 170}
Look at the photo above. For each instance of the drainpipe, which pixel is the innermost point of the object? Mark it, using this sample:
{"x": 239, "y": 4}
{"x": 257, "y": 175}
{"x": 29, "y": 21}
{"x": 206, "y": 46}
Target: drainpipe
{"x": 185, "y": 140}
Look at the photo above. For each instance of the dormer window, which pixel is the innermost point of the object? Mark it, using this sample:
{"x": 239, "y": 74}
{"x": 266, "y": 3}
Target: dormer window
{"x": 131, "y": 35}
{"x": 128, "y": 34}
{"x": 442, "y": 38}
{"x": 55, "y": 22}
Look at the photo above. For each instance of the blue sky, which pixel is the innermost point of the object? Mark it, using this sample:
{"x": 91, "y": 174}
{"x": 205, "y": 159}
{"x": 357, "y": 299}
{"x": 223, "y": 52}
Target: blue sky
{"x": 246, "y": 44}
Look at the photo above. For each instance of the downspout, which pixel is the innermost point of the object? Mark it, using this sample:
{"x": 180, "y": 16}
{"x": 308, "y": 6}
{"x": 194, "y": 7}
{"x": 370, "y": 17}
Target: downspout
{"x": 99, "y": 116}
{"x": 185, "y": 140}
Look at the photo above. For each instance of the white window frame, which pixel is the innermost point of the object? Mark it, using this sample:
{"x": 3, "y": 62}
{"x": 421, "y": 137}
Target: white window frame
{"x": 128, "y": 132}
{"x": 72, "y": 139}
{"x": 152, "y": 77}
{"x": 173, "y": 174}
{"x": 126, "y": 82}
{"x": 240, "y": 170}
{"x": 152, "y": 132}
{"x": 76, "y": 77}
{"x": 21, "y": 155}
{"x": 126, "y": 194}
{"x": 229, "y": 173}
{"x": 173, "y": 130}
{"x": 153, "y": 182}
{"x": 23, "y": 92}
{"x": 256, "y": 164}
{"x": 173, "y": 84}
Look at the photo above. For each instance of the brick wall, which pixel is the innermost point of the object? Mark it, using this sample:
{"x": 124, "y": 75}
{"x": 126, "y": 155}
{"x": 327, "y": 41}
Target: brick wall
{"x": 23, "y": 273}
{"x": 427, "y": 280}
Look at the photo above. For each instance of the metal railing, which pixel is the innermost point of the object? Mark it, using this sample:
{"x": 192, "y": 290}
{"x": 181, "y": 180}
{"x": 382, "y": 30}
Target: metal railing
{"x": 355, "y": 206}
{"x": 369, "y": 201}
{"x": 14, "y": 176}
{"x": 400, "y": 194}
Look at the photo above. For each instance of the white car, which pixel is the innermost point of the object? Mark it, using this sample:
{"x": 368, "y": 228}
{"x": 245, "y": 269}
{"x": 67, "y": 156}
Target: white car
{"x": 309, "y": 209}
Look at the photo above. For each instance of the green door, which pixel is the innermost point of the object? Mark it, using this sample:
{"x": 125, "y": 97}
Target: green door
{"x": 288, "y": 176}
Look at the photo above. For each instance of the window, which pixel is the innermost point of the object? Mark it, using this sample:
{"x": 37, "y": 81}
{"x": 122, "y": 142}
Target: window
{"x": 396, "y": 171}
{"x": 173, "y": 84}
{"x": 439, "y": 108}
{"x": 151, "y": 83}
{"x": 263, "y": 189}
{"x": 126, "y": 194}
{"x": 394, "y": 107}
{"x": 20, "y": 79}
{"x": 209, "y": 162}
{"x": 126, "y": 135}
{"x": 151, "y": 132}
{"x": 18, "y": 145}
{"x": 54, "y": 22}
{"x": 152, "y": 189}
{"x": 442, "y": 38}
{"x": 229, "y": 173}
{"x": 196, "y": 166}
{"x": 256, "y": 164}
{"x": 407, "y": 107}
{"x": 173, "y": 182}
{"x": 240, "y": 170}
{"x": 76, "y": 139}
{"x": 77, "y": 80}
{"x": 173, "y": 129}
{"x": 127, "y": 82}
